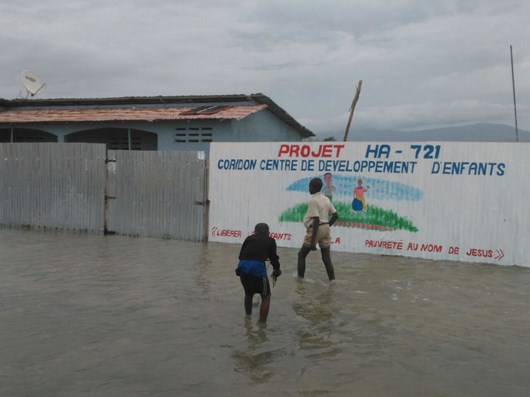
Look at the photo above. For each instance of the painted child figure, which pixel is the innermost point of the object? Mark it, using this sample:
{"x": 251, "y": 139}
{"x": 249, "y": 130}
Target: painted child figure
{"x": 328, "y": 188}
{"x": 359, "y": 202}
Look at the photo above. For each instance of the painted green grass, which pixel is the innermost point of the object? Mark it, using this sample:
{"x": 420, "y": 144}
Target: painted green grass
{"x": 372, "y": 216}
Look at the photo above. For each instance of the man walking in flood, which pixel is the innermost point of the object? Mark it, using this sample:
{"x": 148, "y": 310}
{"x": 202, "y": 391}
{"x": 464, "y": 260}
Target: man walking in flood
{"x": 256, "y": 249}
{"x": 320, "y": 215}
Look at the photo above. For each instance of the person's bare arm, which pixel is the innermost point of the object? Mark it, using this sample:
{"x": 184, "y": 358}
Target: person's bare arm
{"x": 314, "y": 229}
{"x": 333, "y": 218}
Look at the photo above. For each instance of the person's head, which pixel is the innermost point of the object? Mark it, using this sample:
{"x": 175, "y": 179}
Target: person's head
{"x": 327, "y": 177}
{"x": 261, "y": 228}
{"x": 315, "y": 185}
{"x": 359, "y": 182}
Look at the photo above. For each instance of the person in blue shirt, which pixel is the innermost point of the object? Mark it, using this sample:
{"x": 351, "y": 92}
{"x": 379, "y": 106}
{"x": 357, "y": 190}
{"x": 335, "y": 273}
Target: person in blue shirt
{"x": 252, "y": 271}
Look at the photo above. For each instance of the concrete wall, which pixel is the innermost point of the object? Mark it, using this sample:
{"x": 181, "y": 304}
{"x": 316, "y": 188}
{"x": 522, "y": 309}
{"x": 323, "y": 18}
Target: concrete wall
{"x": 262, "y": 126}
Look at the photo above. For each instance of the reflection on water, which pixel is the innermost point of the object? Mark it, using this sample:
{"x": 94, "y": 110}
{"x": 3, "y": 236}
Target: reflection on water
{"x": 84, "y": 315}
{"x": 254, "y": 359}
{"x": 317, "y": 337}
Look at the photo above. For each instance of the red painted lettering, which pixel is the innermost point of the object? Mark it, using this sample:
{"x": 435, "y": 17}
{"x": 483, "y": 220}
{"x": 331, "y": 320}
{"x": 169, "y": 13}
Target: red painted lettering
{"x": 480, "y": 253}
{"x": 431, "y": 248}
{"x": 284, "y": 149}
{"x": 225, "y": 232}
{"x": 304, "y": 151}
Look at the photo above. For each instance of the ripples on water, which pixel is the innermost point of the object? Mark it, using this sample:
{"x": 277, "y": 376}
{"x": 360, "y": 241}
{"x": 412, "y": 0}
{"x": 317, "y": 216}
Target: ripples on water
{"x": 84, "y": 315}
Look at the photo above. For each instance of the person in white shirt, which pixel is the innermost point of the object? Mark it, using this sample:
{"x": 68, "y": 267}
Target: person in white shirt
{"x": 320, "y": 215}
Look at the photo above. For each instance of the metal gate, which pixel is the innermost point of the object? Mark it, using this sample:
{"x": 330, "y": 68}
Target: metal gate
{"x": 156, "y": 194}
{"x": 77, "y": 186}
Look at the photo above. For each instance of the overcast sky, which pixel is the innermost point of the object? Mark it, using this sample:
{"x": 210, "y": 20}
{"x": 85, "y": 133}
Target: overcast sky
{"x": 424, "y": 64}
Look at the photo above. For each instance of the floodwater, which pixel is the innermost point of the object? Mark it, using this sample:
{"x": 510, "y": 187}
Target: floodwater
{"x": 87, "y": 315}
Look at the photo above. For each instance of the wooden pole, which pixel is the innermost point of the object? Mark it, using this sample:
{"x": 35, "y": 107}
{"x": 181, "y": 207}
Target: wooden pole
{"x": 514, "y": 103}
{"x": 352, "y": 108}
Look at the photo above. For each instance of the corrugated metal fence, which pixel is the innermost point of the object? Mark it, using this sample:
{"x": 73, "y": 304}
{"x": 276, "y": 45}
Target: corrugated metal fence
{"x": 52, "y": 185}
{"x": 74, "y": 186}
{"x": 158, "y": 194}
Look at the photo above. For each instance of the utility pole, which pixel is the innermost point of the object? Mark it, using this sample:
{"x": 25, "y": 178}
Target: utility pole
{"x": 352, "y": 109}
{"x": 514, "y": 103}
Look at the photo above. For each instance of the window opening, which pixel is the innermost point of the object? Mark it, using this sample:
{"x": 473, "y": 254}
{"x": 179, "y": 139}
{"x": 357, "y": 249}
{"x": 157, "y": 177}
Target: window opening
{"x": 194, "y": 134}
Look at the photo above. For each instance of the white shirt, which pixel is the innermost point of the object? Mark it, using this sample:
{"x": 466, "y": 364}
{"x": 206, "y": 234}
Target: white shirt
{"x": 319, "y": 205}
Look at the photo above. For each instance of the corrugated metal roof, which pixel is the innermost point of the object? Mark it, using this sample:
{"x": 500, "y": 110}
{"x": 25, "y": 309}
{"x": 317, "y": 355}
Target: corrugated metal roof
{"x": 42, "y": 115}
{"x": 130, "y": 100}
{"x": 163, "y": 101}
{"x": 192, "y": 100}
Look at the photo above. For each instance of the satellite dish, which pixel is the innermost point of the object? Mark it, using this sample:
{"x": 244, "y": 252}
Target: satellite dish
{"x": 31, "y": 82}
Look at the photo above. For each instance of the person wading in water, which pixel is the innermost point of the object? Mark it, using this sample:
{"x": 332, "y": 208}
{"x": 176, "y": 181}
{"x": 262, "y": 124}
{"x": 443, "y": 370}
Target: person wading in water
{"x": 320, "y": 215}
{"x": 252, "y": 272}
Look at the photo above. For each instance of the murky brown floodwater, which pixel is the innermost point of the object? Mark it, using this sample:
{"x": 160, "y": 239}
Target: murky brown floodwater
{"x": 85, "y": 315}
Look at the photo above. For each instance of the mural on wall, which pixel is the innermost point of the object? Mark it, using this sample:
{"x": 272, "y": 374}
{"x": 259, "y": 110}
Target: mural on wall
{"x": 356, "y": 212}
{"x": 441, "y": 200}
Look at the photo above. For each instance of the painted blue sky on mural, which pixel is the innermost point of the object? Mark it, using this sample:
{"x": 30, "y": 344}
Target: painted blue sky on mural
{"x": 379, "y": 189}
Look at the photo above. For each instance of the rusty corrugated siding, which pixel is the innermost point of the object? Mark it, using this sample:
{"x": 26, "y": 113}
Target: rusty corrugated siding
{"x": 150, "y": 114}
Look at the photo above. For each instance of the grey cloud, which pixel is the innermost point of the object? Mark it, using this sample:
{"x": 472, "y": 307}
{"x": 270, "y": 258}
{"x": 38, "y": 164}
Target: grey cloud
{"x": 422, "y": 63}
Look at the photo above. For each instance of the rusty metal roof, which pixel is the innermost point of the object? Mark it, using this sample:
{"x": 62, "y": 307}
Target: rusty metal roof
{"x": 140, "y": 109}
{"x": 43, "y": 115}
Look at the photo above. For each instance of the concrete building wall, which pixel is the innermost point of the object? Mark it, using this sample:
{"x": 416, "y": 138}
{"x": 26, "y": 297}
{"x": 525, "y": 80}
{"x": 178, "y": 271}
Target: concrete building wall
{"x": 182, "y": 135}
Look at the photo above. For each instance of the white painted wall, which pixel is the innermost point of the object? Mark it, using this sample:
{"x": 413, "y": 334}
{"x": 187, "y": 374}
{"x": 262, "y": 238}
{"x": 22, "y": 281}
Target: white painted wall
{"x": 459, "y": 213}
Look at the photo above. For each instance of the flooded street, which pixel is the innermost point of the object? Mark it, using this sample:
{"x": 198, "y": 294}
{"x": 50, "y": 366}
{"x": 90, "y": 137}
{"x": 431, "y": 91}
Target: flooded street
{"x": 89, "y": 315}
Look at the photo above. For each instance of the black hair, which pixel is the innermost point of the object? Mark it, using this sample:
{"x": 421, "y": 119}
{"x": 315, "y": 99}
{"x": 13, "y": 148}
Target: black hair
{"x": 261, "y": 228}
{"x": 315, "y": 185}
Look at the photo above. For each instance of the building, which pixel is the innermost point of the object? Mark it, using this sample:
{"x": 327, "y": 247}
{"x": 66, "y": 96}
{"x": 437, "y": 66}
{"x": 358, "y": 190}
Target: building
{"x": 150, "y": 123}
